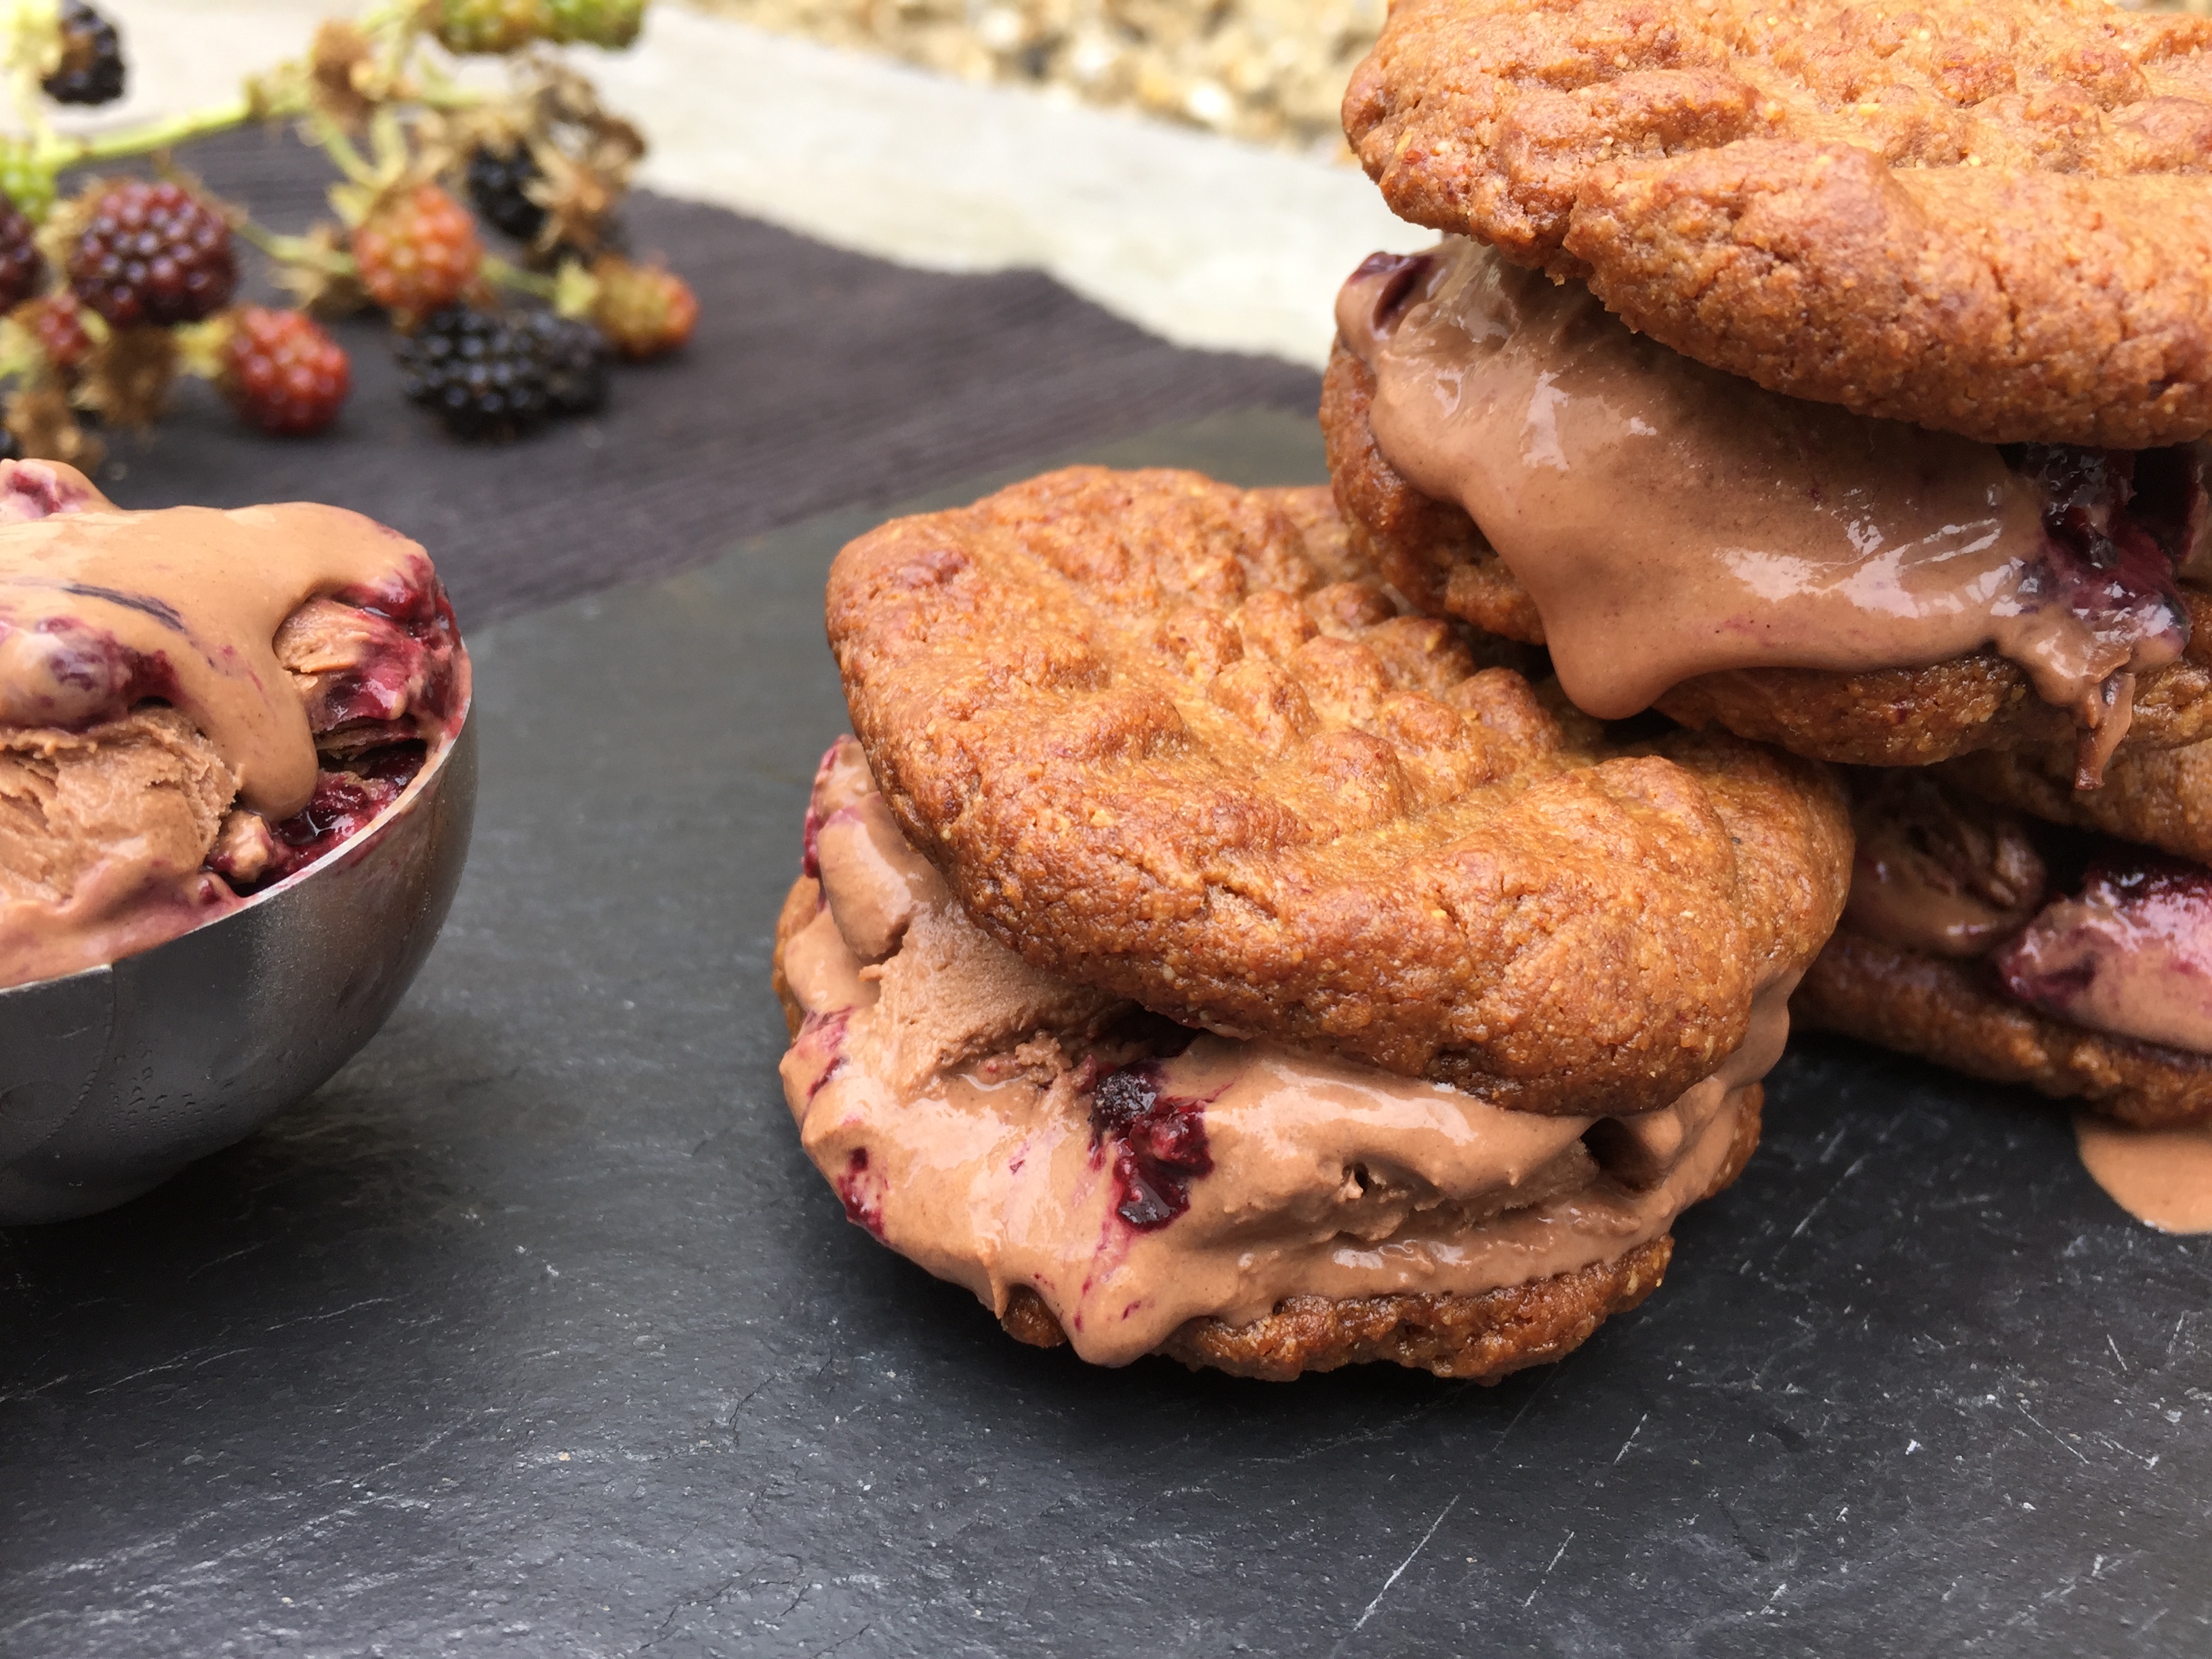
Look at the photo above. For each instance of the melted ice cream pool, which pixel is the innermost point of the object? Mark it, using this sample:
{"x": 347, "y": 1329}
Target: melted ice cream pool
{"x": 951, "y": 1093}
{"x": 2162, "y": 1177}
{"x": 1670, "y": 521}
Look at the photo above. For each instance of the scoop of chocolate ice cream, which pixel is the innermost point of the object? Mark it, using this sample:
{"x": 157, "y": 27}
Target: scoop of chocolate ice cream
{"x": 194, "y": 704}
{"x": 106, "y": 830}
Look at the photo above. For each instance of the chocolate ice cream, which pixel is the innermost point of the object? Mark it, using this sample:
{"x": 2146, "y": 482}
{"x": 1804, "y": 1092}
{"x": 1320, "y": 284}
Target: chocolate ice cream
{"x": 196, "y": 704}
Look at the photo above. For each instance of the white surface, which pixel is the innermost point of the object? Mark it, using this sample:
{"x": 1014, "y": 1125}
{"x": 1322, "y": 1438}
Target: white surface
{"x": 1204, "y": 240}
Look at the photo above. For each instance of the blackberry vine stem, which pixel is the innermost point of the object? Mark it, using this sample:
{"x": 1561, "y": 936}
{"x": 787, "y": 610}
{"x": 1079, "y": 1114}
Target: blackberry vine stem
{"x": 155, "y": 135}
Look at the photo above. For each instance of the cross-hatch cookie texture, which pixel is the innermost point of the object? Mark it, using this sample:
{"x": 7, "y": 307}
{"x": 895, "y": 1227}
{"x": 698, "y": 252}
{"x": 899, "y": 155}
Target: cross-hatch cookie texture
{"x": 1170, "y": 738}
{"x": 1432, "y": 552}
{"x": 1992, "y": 216}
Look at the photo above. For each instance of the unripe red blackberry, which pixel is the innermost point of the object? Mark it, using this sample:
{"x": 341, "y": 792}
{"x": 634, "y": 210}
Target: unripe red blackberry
{"x": 643, "y": 310}
{"x": 152, "y": 252}
{"x": 282, "y": 373}
{"x": 21, "y": 265}
{"x": 417, "y": 251}
{"x": 57, "y": 323}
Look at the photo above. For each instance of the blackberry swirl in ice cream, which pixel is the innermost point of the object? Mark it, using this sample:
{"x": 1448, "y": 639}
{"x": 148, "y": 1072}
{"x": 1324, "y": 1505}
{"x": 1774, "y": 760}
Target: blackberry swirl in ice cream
{"x": 2046, "y": 950}
{"x": 196, "y": 704}
{"x": 1100, "y": 1175}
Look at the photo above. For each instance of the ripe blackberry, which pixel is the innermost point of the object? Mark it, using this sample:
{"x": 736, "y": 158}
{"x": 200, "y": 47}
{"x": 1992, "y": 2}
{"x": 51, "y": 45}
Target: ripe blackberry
{"x": 152, "y": 252}
{"x": 21, "y": 265}
{"x": 483, "y": 375}
{"x": 574, "y": 356}
{"x": 498, "y": 182}
{"x": 282, "y": 373}
{"x": 417, "y": 251}
{"x": 489, "y": 26}
{"x": 643, "y": 310}
{"x": 91, "y": 70}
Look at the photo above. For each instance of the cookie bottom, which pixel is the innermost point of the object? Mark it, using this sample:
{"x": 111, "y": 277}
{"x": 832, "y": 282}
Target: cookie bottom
{"x": 1479, "y": 1338}
{"x": 1939, "y": 1009}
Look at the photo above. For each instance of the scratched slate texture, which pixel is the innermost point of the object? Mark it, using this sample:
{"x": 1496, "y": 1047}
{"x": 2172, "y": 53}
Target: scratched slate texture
{"x": 534, "y": 1333}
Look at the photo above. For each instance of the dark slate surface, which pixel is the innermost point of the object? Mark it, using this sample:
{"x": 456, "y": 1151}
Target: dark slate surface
{"x": 818, "y": 380}
{"x": 534, "y": 1333}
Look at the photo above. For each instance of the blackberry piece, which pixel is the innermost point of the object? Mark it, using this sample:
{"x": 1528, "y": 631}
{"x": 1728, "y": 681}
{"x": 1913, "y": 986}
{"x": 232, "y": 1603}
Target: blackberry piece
{"x": 57, "y": 323}
{"x": 574, "y": 356}
{"x": 92, "y": 58}
{"x": 21, "y": 265}
{"x": 481, "y": 374}
{"x": 497, "y": 185}
{"x": 153, "y": 252}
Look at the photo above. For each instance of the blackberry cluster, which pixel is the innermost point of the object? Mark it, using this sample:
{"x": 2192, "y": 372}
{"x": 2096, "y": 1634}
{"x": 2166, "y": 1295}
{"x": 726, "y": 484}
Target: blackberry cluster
{"x": 498, "y": 182}
{"x": 486, "y": 374}
{"x": 21, "y": 266}
{"x": 91, "y": 70}
{"x": 153, "y": 252}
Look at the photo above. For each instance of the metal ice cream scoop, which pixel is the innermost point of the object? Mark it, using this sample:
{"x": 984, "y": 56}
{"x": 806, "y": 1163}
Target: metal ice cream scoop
{"x": 113, "y": 1080}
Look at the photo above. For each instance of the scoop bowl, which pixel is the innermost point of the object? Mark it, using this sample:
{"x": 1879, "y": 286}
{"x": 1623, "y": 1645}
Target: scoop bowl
{"x": 113, "y": 1079}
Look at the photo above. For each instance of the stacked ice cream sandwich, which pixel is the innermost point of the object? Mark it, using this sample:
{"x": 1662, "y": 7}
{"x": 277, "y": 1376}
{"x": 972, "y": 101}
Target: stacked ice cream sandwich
{"x": 1843, "y": 382}
{"x": 1198, "y": 953}
{"x": 1275, "y": 934}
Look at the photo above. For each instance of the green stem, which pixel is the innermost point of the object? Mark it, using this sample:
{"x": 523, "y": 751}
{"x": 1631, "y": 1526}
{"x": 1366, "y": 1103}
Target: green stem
{"x": 161, "y": 135}
{"x": 340, "y": 148}
{"x": 496, "y": 269}
{"x": 297, "y": 250}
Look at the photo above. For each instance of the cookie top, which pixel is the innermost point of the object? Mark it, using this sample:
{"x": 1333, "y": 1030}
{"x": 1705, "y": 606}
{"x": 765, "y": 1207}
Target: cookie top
{"x": 1172, "y": 740}
{"x": 1990, "y": 218}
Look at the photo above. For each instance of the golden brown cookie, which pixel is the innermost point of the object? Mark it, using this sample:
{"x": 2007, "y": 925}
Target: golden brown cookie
{"x": 1481, "y": 1338}
{"x": 2161, "y": 798}
{"x": 1160, "y": 742}
{"x": 1990, "y": 218}
{"x": 1432, "y": 553}
{"x": 1951, "y": 1012}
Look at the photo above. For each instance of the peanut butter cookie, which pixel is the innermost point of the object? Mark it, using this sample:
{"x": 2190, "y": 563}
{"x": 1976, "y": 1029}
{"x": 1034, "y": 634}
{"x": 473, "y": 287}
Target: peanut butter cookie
{"x": 1952, "y": 1011}
{"x": 1175, "y": 740}
{"x": 1989, "y": 218}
